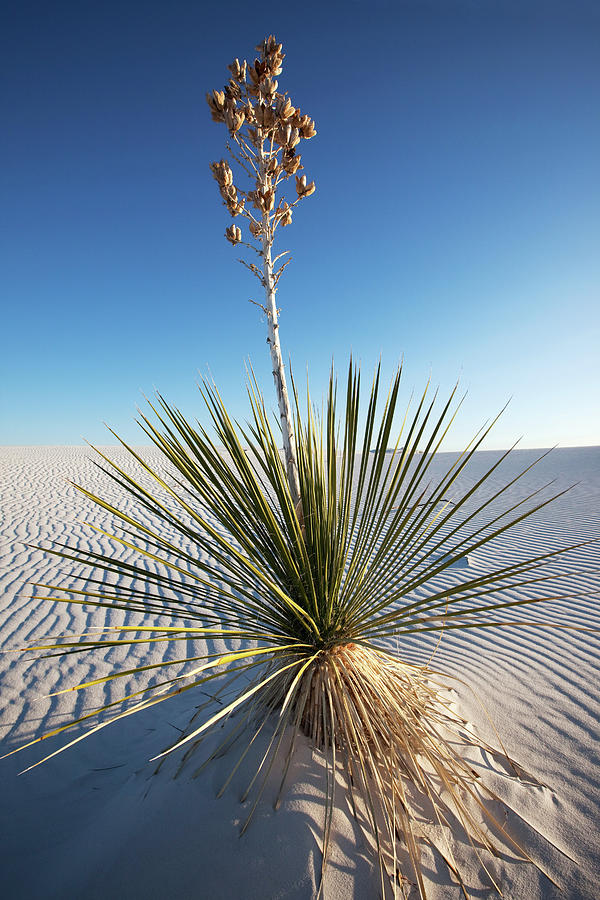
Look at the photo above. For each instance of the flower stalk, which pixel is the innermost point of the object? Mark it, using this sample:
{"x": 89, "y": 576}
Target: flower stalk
{"x": 264, "y": 130}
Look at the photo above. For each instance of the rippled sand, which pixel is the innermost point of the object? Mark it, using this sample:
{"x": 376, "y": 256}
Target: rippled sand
{"x": 95, "y": 823}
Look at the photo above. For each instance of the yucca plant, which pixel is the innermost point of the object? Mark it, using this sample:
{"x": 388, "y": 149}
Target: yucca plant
{"x": 318, "y": 561}
{"x": 317, "y": 605}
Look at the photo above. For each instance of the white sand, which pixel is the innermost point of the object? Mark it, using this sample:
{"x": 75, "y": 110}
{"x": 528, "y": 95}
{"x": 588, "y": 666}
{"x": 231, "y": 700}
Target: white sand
{"x": 94, "y": 823}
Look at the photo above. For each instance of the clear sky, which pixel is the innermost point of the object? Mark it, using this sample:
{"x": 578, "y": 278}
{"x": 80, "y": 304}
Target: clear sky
{"x": 456, "y": 221}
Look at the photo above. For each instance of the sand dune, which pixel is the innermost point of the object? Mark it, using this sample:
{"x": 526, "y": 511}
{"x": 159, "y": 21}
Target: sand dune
{"x": 96, "y": 823}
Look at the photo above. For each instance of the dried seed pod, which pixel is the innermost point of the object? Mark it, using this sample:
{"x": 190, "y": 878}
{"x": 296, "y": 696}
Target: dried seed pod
{"x": 287, "y": 137}
{"x": 284, "y": 214}
{"x": 302, "y": 188}
{"x": 257, "y": 71}
{"x": 267, "y": 199}
{"x": 237, "y": 207}
{"x": 216, "y": 106}
{"x": 272, "y": 166}
{"x": 238, "y": 70}
{"x": 234, "y": 119}
{"x": 267, "y": 88}
{"x": 270, "y": 117}
{"x": 268, "y": 46}
{"x": 283, "y": 135}
{"x": 265, "y": 116}
{"x": 249, "y": 112}
{"x": 307, "y": 128}
{"x": 233, "y": 234}
{"x": 222, "y": 172}
{"x": 291, "y": 162}
{"x": 280, "y": 136}
{"x": 219, "y": 99}
{"x": 284, "y": 108}
{"x": 233, "y": 90}
{"x": 256, "y": 229}
{"x": 274, "y": 64}
{"x": 238, "y": 121}
{"x": 228, "y": 193}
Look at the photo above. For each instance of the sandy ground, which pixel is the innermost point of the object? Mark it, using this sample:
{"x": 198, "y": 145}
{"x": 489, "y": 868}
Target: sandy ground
{"x": 96, "y": 823}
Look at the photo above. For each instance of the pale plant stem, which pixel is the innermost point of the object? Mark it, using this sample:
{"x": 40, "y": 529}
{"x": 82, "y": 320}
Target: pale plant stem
{"x": 283, "y": 400}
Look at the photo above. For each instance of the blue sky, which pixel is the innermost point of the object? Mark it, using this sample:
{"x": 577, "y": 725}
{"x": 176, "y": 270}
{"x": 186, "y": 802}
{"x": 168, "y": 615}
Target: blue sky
{"x": 456, "y": 221}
